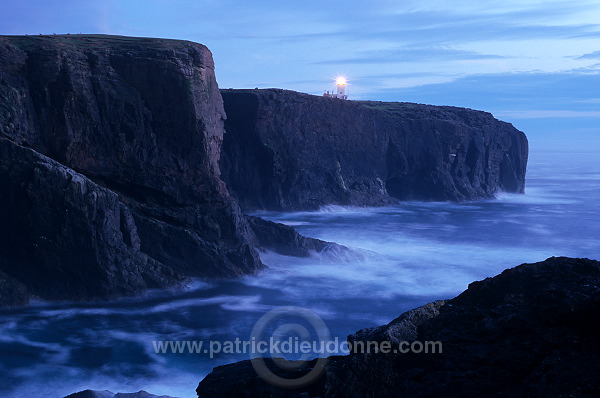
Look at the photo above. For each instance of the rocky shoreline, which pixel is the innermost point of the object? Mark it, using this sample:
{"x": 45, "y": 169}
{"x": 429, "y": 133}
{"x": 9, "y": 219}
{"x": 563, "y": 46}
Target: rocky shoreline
{"x": 123, "y": 167}
{"x": 531, "y": 331}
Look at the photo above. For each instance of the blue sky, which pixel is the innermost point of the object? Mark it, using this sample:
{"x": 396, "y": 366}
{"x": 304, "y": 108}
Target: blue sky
{"x": 533, "y": 63}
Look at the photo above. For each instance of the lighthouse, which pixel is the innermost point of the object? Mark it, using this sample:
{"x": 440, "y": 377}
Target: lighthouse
{"x": 341, "y": 87}
{"x": 340, "y": 93}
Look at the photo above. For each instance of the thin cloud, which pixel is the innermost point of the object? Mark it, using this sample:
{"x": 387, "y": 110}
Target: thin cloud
{"x": 509, "y": 92}
{"x": 542, "y": 114}
{"x": 593, "y": 55}
{"x": 411, "y": 55}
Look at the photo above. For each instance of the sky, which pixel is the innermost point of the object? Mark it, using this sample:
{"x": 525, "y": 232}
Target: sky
{"x": 533, "y": 63}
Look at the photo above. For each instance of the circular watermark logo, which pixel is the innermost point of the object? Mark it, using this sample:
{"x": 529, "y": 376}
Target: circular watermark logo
{"x": 273, "y": 329}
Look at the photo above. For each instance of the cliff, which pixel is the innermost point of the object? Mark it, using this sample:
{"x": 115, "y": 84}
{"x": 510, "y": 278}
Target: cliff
{"x": 531, "y": 331}
{"x": 110, "y": 173}
{"x": 131, "y": 197}
{"x": 63, "y": 236}
{"x": 288, "y": 150}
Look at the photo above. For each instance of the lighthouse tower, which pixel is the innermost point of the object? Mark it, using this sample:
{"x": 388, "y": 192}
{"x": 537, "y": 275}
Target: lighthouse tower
{"x": 341, "y": 87}
{"x": 340, "y": 93}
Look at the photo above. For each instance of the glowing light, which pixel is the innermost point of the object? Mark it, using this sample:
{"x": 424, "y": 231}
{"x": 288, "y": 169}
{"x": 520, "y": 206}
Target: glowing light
{"x": 340, "y": 81}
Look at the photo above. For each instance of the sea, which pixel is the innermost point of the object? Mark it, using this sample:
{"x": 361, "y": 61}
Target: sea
{"x": 401, "y": 257}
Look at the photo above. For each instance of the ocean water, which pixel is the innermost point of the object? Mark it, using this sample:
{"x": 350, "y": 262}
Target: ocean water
{"x": 404, "y": 256}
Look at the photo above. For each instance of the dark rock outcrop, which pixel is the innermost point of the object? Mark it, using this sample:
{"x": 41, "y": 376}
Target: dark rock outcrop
{"x": 63, "y": 236}
{"x": 142, "y": 118}
{"x": 403, "y": 328}
{"x": 109, "y": 394}
{"x": 284, "y": 239}
{"x": 531, "y": 331}
{"x": 12, "y": 292}
{"x": 288, "y": 150}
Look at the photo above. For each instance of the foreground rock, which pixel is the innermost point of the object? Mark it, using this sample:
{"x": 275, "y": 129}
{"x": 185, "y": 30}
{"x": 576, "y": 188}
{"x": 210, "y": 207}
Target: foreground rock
{"x": 531, "y": 331}
{"x": 288, "y": 150}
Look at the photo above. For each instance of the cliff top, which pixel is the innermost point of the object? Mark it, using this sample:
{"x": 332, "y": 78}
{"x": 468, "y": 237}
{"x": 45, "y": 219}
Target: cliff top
{"x": 390, "y": 107}
{"x": 139, "y": 47}
{"x": 95, "y": 40}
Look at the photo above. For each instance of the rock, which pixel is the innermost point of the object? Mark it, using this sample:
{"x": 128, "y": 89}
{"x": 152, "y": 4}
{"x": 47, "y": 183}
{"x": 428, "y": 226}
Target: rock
{"x": 92, "y": 394}
{"x": 284, "y": 239}
{"x": 240, "y": 380}
{"x": 142, "y": 118}
{"x": 66, "y": 237}
{"x": 530, "y": 331}
{"x": 403, "y": 328}
{"x": 286, "y": 150}
{"x": 140, "y": 394}
{"x": 12, "y": 292}
{"x": 108, "y": 394}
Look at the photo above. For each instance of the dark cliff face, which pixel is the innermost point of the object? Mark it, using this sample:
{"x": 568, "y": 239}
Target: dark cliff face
{"x": 531, "y": 331}
{"x": 141, "y": 122}
{"x": 287, "y": 150}
{"x": 63, "y": 236}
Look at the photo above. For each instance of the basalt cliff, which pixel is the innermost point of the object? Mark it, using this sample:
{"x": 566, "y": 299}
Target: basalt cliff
{"x": 119, "y": 161}
{"x": 287, "y": 150}
{"x": 109, "y": 170}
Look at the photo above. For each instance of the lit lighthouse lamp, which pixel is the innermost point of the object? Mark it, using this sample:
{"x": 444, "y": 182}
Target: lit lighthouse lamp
{"x": 341, "y": 87}
{"x": 340, "y": 82}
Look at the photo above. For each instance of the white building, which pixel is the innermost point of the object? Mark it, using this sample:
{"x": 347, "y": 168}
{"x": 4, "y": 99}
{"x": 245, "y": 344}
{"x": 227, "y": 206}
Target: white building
{"x": 340, "y": 93}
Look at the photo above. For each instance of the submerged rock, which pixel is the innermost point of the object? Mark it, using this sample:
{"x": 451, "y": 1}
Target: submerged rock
{"x": 531, "y": 331}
